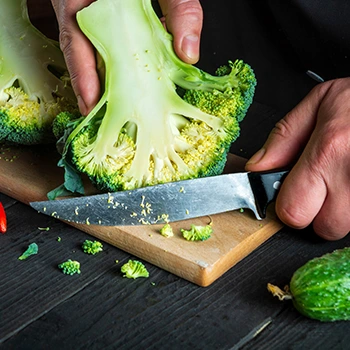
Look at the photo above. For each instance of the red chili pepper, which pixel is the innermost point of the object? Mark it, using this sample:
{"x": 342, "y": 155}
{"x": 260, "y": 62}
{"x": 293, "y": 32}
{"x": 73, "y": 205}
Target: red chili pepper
{"x": 3, "y": 221}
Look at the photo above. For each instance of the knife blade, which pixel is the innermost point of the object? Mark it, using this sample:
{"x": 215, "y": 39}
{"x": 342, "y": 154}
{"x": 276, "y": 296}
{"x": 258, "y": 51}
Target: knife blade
{"x": 170, "y": 202}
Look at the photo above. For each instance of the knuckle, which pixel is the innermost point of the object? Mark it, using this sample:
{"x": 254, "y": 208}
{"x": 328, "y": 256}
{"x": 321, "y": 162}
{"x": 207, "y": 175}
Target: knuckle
{"x": 329, "y": 230}
{"x": 283, "y": 128}
{"x": 188, "y": 8}
{"x": 333, "y": 147}
{"x": 65, "y": 39}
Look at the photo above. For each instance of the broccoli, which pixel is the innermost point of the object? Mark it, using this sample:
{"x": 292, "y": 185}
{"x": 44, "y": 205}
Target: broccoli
{"x": 134, "y": 269}
{"x": 70, "y": 267}
{"x": 166, "y": 231}
{"x": 159, "y": 119}
{"x": 34, "y": 84}
{"x": 197, "y": 233}
{"x": 31, "y": 250}
{"x": 92, "y": 247}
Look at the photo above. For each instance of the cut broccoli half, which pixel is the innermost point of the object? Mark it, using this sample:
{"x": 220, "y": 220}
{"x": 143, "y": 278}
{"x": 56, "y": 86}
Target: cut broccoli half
{"x": 159, "y": 119}
{"x": 34, "y": 83}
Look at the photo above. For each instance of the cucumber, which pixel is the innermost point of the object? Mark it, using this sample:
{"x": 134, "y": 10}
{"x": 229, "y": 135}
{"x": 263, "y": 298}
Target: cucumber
{"x": 320, "y": 289}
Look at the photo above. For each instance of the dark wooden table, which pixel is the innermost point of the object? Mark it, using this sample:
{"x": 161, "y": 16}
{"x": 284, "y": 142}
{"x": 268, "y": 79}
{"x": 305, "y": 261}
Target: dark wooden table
{"x": 41, "y": 308}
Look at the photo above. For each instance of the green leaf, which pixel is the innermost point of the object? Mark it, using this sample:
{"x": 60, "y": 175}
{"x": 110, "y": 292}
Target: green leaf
{"x": 72, "y": 182}
{"x": 31, "y": 250}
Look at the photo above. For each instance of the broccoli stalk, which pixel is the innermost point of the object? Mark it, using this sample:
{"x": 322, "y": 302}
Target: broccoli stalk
{"x": 159, "y": 119}
{"x": 34, "y": 85}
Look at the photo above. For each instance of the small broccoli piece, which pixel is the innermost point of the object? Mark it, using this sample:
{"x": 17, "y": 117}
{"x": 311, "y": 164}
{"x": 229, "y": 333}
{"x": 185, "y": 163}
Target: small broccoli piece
{"x": 34, "y": 83}
{"x": 166, "y": 231}
{"x": 92, "y": 247}
{"x": 159, "y": 119}
{"x": 62, "y": 122}
{"x": 197, "y": 233}
{"x": 31, "y": 250}
{"x": 134, "y": 269}
{"x": 70, "y": 267}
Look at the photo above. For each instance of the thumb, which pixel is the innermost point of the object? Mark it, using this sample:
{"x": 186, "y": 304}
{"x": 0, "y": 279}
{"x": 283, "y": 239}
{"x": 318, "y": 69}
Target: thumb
{"x": 290, "y": 135}
{"x": 184, "y": 20}
{"x": 79, "y": 54}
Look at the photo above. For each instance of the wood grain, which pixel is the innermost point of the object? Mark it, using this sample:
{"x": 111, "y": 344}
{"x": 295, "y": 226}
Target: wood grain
{"x": 27, "y": 174}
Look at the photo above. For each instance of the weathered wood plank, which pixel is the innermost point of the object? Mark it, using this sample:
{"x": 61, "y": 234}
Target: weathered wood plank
{"x": 32, "y": 287}
{"x": 136, "y": 314}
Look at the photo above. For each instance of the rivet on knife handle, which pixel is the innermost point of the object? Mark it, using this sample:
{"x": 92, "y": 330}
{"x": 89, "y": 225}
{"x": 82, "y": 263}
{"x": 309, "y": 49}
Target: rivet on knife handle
{"x": 265, "y": 186}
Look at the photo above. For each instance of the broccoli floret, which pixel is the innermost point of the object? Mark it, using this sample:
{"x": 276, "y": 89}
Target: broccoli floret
{"x": 70, "y": 267}
{"x": 134, "y": 269}
{"x": 159, "y": 119}
{"x": 63, "y": 121}
{"x": 166, "y": 231}
{"x": 34, "y": 84}
{"x": 92, "y": 247}
{"x": 197, "y": 233}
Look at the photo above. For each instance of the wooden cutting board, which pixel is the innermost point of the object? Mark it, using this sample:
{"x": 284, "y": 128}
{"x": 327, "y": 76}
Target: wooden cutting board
{"x": 28, "y": 173}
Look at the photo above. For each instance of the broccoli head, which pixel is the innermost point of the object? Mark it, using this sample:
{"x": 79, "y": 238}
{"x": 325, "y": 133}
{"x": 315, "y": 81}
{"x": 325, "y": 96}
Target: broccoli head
{"x": 134, "y": 269}
{"x": 159, "y": 119}
{"x": 34, "y": 84}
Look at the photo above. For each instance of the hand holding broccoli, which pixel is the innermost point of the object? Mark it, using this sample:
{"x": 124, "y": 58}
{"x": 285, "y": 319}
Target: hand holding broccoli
{"x": 183, "y": 18}
{"x": 316, "y": 136}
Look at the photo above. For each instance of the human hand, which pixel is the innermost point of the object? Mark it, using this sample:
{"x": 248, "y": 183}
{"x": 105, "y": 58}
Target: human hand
{"x": 183, "y": 18}
{"x": 315, "y": 136}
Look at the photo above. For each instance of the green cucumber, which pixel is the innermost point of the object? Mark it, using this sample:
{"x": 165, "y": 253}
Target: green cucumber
{"x": 320, "y": 289}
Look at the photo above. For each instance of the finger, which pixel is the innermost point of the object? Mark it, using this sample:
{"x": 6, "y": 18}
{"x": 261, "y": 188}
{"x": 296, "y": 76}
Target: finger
{"x": 333, "y": 220}
{"x": 301, "y": 196}
{"x": 316, "y": 190}
{"x": 79, "y": 55}
{"x": 290, "y": 135}
{"x": 184, "y": 19}
{"x": 317, "y": 187}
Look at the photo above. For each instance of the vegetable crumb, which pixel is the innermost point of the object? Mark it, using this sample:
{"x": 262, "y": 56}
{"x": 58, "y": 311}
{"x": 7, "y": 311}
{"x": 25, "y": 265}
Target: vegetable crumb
{"x": 31, "y": 250}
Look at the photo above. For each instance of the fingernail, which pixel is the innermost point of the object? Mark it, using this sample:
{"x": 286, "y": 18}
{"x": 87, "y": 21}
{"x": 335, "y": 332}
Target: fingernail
{"x": 190, "y": 46}
{"x": 257, "y": 156}
{"x": 81, "y": 105}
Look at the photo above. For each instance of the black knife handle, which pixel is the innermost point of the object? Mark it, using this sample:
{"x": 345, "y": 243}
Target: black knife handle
{"x": 265, "y": 186}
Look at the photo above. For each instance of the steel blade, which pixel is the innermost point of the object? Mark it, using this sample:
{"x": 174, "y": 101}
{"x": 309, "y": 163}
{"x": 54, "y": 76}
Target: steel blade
{"x": 156, "y": 204}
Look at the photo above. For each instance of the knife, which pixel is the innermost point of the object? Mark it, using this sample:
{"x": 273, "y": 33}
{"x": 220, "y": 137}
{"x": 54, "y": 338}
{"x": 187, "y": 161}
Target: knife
{"x": 172, "y": 201}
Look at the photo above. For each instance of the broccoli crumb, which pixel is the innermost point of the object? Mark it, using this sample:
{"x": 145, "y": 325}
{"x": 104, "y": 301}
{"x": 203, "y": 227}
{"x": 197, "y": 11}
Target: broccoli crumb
{"x": 167, "y": 231}
{"x": 134, "y": 269}
{"x": 31, "y": 250}
{"x": 197, "y": 233}
{"x": 70, "y": 267}
{"x": 92, "y": 247}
